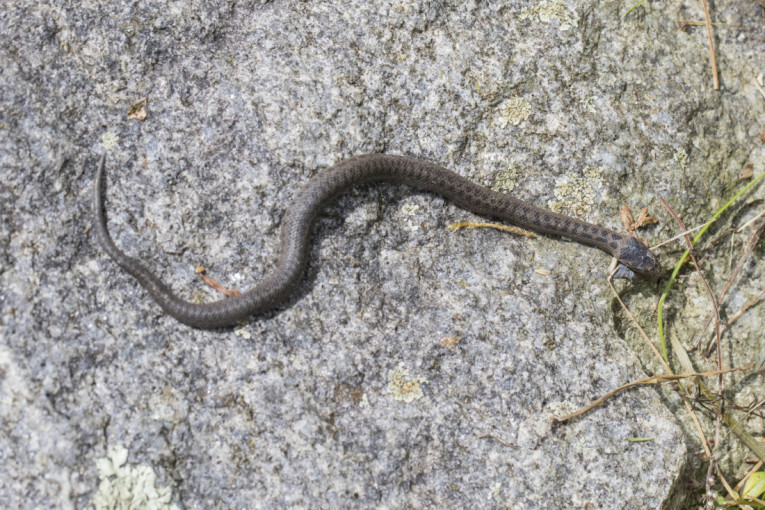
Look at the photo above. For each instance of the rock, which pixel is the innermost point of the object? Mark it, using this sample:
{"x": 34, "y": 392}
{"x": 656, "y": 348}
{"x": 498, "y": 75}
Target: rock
{"x": 583, "y": 108}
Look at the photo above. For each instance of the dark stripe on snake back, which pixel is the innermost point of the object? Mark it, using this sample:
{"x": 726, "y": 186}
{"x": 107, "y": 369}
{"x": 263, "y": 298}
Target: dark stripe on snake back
{"x": 298, "y": 222}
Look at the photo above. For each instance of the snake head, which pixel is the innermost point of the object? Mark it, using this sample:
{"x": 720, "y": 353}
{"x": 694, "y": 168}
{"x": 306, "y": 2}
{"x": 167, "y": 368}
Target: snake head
{"x": 640, "y": 259}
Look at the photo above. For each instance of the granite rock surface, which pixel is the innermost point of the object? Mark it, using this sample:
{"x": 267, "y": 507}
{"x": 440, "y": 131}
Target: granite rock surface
{"x": 416, "y": 367}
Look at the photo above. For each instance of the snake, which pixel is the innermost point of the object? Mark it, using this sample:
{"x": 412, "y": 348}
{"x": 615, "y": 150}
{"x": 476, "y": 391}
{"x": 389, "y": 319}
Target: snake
{"x": 300, "y": 216}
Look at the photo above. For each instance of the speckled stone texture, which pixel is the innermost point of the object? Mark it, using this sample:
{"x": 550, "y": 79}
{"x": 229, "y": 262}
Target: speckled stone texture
{"x": 349, "y": 396}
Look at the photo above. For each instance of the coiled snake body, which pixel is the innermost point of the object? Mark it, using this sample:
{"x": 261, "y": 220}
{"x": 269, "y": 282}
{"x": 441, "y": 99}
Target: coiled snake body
{"x": 299, "y": 219}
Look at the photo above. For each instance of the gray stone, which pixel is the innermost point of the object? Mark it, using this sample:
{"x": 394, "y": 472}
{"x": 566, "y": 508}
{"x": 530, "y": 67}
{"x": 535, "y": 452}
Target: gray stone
{"x": 346, "y": 397}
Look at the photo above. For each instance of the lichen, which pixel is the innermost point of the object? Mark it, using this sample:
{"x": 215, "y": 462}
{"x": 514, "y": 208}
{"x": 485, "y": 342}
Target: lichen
{"x": 590, "y": 104}
{"x": 125, "y": 487}
{"x": 109, "y": 140}
{"x": 494, "y": 491}
{"x": 410, "y": 211}
{"x": 505, "y": 180}
{"x": 403, "y": 387}
{"x": 242, "y": 331}
{"x": 576, "y": 194}
{"x": 681, "y": 157}
{"x": 513, "y": 111}
{"x": 548, "y": 10}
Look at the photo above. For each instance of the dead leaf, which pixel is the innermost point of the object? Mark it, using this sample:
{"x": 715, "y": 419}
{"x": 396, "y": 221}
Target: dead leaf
{"x": 138, "y": 110}
{"x": 627, "y": 220}
{"x": 450, "y": 342}
{"x": 747, "y": 171}
{"x": 644, "y": 219}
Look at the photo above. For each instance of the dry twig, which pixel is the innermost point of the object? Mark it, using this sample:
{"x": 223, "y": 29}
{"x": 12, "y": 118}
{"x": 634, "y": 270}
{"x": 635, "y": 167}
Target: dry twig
{"x": 655, "y": 379}
{"x": 492, "y": 436}
{"x": 215, "y": 285}
{"x": 470, "y": 224}
{"x": 712, "y": 59}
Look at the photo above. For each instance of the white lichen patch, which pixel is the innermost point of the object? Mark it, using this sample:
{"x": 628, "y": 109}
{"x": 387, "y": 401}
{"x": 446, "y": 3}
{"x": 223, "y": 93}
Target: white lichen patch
{"x": 494, "y": 491}
{"x": 410, "y": 211}
{"x": 403, "y": 387}
{"x": 590, "y": 104}
{"x": 125, "y": 487}
{"x": 504, "y": 169}
{"x": 242, "y": 331}
{"x": 548, "y": 10}
{"x": 577, "y": 194}
{"x": 561, "y": 408}
{"x": 109, "y": 140}
{"x": 681, "y": 157}
{"x": 512, "y": 111}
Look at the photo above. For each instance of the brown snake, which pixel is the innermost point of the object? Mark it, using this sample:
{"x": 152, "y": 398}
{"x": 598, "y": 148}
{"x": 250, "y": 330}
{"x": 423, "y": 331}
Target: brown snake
{"x": 299, "y": 219}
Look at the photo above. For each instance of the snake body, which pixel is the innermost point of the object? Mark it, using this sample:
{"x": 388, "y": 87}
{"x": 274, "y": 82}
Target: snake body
{"x": 298, "y": 221}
